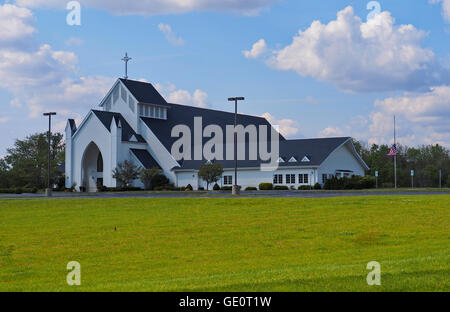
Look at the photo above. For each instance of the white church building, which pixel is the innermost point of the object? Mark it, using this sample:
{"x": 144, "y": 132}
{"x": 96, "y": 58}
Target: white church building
{"x": 135, "y": 123}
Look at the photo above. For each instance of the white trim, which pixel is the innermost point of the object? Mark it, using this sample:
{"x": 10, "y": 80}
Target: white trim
{"x": 84, "y": 121}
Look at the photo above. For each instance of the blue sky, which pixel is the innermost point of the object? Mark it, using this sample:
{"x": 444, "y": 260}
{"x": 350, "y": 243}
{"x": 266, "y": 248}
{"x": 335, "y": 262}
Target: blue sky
{"x": 347, "y": 78}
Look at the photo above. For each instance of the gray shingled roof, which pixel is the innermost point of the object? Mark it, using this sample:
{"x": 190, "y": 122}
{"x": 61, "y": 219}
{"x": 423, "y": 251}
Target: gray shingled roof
{"x": 127, "y": 131}
{"x": 317, "y": 150}
{"x": 184, "y": 115}
{"x": 144, "y": 92}
{"x": 145, "y": 158}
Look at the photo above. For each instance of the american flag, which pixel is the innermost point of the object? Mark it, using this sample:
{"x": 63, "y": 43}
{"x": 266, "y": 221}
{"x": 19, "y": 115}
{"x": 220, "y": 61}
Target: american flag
{"x": 393, "y": 151}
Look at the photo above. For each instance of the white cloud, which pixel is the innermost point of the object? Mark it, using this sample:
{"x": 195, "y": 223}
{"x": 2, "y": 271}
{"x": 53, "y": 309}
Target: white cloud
{"x": 287, "y": 127}
{"x": 258, "y": 48}
{"x": 40, "y": 77}
{"x": 155, "y": 7}
{"x": 445, "y": 8}
{"x": 177, "y": 96}
{"x": 422, "y": 118}
{"x": 331, "y": 132}
{"x": 362, "y": 57}
{"x": 15, "y": 23}
{"x": 170, "y": 35}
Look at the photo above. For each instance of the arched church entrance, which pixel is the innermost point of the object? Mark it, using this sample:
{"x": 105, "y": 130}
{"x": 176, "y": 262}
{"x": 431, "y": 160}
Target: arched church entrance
{"x": 92, "y": 168}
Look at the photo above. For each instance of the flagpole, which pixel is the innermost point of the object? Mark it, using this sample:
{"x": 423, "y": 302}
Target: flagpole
{"x": 395, "y": 156}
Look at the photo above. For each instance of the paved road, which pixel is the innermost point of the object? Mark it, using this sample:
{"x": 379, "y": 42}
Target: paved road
{"x": 256, "y": 194}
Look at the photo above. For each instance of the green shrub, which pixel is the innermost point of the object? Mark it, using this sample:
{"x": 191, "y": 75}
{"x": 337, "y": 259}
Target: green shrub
{"x": 159, "y": 180}
{"x": 189, "y": 188}
{"x": 266, "y": 186}
{"x": 304, "y": 188}
{"x": 216, "y": 187}
{"x": 119, "y": 189}
{"x": 226, "y": 188}
{"x": 317, "y": 186}
{"x": 201, "y": 188}
{"x": 281, "y": 188}
{"x": 353, "y": 183}
{"x": 251, "y": 188}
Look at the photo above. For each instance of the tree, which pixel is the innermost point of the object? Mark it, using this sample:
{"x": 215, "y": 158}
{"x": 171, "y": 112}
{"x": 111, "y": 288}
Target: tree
{"x": 125, "y": 173}
{"x": 148, "y": 175}
{"x": 210, "y": 173}
{"x": 4, "y": 174}
{"x": 27, "y": 160}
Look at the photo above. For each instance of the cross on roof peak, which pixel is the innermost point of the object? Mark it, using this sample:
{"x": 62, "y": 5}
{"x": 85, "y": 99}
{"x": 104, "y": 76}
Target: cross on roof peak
{"x": 126, "y": 59}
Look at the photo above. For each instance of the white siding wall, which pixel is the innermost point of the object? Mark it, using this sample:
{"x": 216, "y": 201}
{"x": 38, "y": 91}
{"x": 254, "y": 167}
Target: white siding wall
{"x": 123, "y": 108}
{"x": 341, "y": 159}
{"x": 185, "y": 178}
{"x": 248, "y": 178}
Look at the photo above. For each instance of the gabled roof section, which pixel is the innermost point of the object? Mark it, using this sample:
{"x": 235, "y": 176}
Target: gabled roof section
{"x": 127, "y": 132}
{"x": 145, "y": 158}
{"x": 316, "y": 150}
{"x": 144, "y": 92}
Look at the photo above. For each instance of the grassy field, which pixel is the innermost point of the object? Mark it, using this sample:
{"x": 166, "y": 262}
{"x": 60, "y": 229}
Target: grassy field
{"x": 224, "y": 244}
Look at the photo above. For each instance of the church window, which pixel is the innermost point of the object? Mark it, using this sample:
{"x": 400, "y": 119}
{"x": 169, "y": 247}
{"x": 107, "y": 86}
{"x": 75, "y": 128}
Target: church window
{"x": 278, "y": 179}
{"x": 123, "y": 93}
{"x": 99, "y": 163}
{"x": 228, "y": 180}
{"x": 108, "y": 103}
{"x": 116, "y": 94}
{"x": 131, "y": 103}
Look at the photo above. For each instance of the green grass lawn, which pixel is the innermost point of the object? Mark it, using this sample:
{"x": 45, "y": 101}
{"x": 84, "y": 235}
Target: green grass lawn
{"x": 225, "y": 244}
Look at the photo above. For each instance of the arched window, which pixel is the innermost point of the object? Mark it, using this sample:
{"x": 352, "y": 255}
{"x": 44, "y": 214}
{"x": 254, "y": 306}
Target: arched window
{"x": 99, "y": 163}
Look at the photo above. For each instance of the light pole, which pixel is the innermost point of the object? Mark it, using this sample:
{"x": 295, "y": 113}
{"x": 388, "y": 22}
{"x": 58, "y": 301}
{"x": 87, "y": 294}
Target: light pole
{"x": 236, "y": 189}
{"x": 48, "y": 191}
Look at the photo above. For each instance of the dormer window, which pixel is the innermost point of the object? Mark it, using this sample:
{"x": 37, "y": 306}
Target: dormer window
{"x": 306, "y": 159}
{"x": 292, "y": 159}
{"x": 153, "y": 111}
{"x": 280, "y": 160}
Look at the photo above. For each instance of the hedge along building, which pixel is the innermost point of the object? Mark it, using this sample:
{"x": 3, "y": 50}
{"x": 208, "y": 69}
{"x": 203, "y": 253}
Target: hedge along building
{"x": 136, "y": 123}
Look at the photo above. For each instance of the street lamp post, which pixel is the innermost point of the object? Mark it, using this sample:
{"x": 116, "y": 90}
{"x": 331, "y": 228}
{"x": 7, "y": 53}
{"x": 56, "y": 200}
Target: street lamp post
{"x": 48, "y": 191}
{"x": 236, "y": 188}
